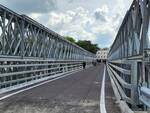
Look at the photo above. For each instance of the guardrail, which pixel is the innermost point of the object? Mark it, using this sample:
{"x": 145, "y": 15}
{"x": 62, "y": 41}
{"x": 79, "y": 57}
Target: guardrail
{"x": 145, "y": 96}
{"x": 119, "y": 93}
{"x": 124, "y": 86}
{"x": 128, "y": 58}
{"x": 17, "y": 73}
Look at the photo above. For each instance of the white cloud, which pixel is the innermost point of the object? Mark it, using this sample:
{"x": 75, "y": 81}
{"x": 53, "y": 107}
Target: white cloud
{"x": 35, "y": 16}
{"x": 58, "y": 18}
{"x": 103, "y": 10}
{"x": 72, "y": 23}
{"x": 30, "y": 6}
{"x": 84, "y": 23}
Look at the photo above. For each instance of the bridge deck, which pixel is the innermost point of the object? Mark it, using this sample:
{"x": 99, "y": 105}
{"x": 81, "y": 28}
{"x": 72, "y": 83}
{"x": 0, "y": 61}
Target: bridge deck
{"x": 76, "y": 93}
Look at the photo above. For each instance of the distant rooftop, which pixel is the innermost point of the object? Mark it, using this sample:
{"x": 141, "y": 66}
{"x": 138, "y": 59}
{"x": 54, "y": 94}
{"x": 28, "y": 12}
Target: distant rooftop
{"x": 104, "y": 49}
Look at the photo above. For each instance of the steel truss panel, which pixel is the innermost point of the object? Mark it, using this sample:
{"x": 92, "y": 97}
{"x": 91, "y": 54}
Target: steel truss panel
{"x": 22, "y": 36}
{"x": 31, "y": 53}
{"x": 131, "y": 48}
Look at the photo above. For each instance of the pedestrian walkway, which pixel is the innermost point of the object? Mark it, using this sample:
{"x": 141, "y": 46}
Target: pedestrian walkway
{"x": 76, "y": 93}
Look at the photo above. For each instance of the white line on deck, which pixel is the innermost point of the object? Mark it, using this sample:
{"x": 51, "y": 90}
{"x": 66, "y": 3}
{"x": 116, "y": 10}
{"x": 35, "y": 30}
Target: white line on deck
{"x": 102, "y": 96}
{"x": 11, "y": 94}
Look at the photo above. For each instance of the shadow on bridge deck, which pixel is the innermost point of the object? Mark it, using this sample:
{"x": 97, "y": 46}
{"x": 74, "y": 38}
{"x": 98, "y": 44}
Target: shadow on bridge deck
{"x": 77, "y": 93}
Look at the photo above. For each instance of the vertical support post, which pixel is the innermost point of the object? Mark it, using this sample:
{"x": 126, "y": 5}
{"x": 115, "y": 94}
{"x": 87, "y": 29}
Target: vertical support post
{"x": 3, "y": 32}
{"x": 134, "y": 91}
{"x": 22, "y": 38}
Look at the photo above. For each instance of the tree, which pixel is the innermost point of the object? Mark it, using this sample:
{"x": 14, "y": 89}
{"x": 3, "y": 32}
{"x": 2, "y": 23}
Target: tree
{"x": 87, "y": 45}
{"x": 70, "y": 39}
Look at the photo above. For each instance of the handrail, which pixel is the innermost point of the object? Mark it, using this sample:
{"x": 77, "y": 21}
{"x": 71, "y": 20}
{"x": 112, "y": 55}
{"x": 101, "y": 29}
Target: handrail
{"x": 125, "y": 71}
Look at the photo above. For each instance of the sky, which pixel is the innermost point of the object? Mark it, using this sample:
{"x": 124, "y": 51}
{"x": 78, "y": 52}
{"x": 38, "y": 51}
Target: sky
{"x": 94, "y": 20}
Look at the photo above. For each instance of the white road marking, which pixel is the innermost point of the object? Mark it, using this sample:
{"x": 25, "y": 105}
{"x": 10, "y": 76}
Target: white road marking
{"x": 102, "y": 96}
{"x": 11, "y": 94}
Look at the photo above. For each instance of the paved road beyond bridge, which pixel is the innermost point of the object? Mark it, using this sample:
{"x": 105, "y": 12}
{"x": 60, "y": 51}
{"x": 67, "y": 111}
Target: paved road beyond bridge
{"x": 76, "y": 93}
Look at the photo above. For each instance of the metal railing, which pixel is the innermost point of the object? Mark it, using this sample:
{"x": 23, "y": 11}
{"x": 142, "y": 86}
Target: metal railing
{"x": 17, "y": 73}
{"x": 31, "y": 53}
{"x": 145, "y": 95}
{"x": 128, "y": 58}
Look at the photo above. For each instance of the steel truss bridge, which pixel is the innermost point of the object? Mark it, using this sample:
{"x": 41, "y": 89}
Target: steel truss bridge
{"x": 129, "y": 57}
{"x": 31, "y": 53}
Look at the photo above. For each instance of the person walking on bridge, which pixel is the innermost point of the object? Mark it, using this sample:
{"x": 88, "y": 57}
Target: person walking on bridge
{"x": 84, "y": 65}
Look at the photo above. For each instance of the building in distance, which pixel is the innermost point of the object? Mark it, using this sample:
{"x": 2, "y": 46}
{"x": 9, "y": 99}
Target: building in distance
{"x": 101, "y": 55}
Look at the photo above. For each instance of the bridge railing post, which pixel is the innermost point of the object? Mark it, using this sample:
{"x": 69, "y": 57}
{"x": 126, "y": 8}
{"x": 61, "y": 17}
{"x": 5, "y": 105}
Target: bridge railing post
{"x": 134, "y": 79}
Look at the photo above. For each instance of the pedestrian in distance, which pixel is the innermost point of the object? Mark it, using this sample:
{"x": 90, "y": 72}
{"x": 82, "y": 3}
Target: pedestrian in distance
{"x": 84, "y": 65}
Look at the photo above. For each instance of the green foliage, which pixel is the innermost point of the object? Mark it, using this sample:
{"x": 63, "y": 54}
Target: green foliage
{"x": 70, "y": 39}
{"x": 85, "y": 44}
